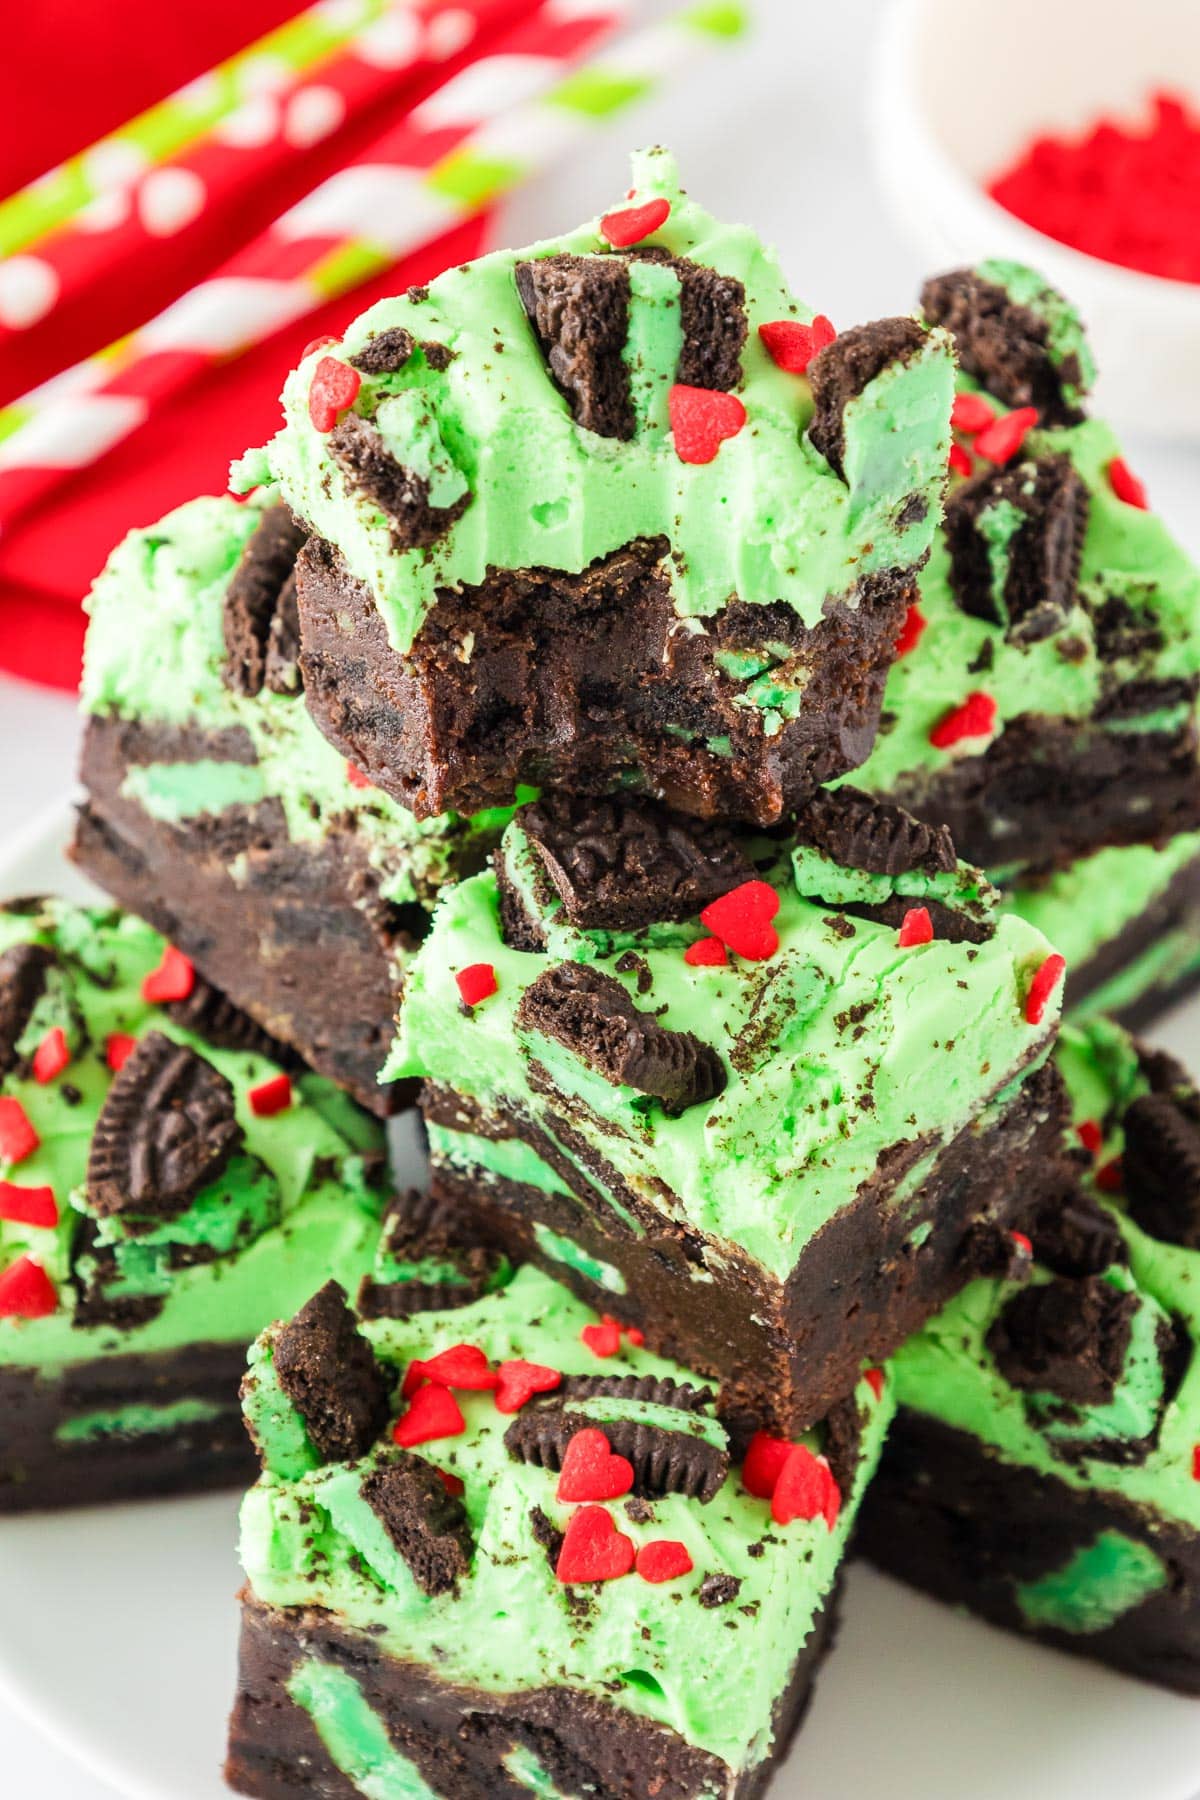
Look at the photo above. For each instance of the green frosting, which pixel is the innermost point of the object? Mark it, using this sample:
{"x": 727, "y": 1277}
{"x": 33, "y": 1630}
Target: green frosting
{"x": 1103, "y": 1579}
{"x": 767, "y": 520}
{"x": 140, "y": 1419}
{"x": 837, "y": 1048}
{"x": 353, "y": 1733}
{"x": 712, "y": 1674}
{"x": 291, "y": 1207}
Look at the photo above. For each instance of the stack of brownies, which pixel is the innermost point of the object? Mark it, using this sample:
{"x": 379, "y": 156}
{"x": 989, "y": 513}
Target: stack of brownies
{"x": 589, "y": 672}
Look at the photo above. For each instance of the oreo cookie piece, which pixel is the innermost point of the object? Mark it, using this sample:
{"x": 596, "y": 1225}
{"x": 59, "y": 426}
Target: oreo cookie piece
{"x": 428, "y": 1525}
{"x": 1161, "y": 1165}
{"x": 592, "y": 1015}
{"x": 167, "y": 1128}
{"x": 330, "y": 1375}
{"x": 578, "y": 307}
{"x": 401, "y": 495}
{"x": 1015, "y": 538}
{"x": 212, "y": 1016}
{"x": 663, "y": 1461}
{"x": 719, "y": 1590}
{"x": 949, "y": 923}
{"x": 712, "y": 317}
{"x": 1005, "y": 345}
{"x": 421, "y": 1225}
{"x": 1067, "y": 1338}
{"x": 253, "y": 597}
{"x": 385, "y": 352}
{"x": 283, "y": 643}
{"x": 22, "y": 984}
{"x": 839, "y": 373}
{"x": 1075, "y": 1236}
{"x": 857, "y": 831}
{"x": 622, "y": 865}
{"x": 660, "y": 1390}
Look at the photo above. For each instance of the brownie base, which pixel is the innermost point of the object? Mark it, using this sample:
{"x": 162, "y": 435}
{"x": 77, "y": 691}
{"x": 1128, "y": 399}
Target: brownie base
{"x": 38, "y": 1472}
{"x": 457, "y": 1735}
{"x": 784, "y": 1353}
{"x": 302, "y": 941}
{"x": 1176, "y": 912}
{"x": 948, "y": 1518}
{"x": 575, "y": 681}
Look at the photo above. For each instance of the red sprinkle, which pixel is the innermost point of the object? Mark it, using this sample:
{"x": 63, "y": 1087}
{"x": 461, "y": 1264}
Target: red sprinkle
{"x": 18, "y": 1139}
{"x": 270, "y": 1097}
{"x": 805, "y": 1489}
{"x": 1042, "y": 986}
{"x": 1126, "y": 485}
{"x": 334, "y": 387}
{"x": 452, "y": 1484}
{"x": 792, "y": 345}
{"x": 591, "y": 1470}
{"x": 593, "y": 1549}
{"x": 764, "y": 1460}
{"x": 118, "y": 1048}
{"x": 356, "y": 778}
{"x": 874, "y": 1380}
{"x": 603, "y": 1339}
{"x": 912, "y": 631}
{"x": 477, "y": 982}
{"x": 976, "y": 717}
{"x": 315, "y": 344}
{"x": 960, "y": 461}
{"x": 1090, "y": 1136}
{"x": 916, "y": 928}
{"x": 173, "y": 979}
{"x": 701, "y": 420}
{"x": 434, "y": 1413}
{"x": 51, "y": 1056}
{"x": 970, "y": 413}
{"x": 26, "y": 1291}
{"x": 519, "y": 1381}
{"x": 1000, "y": 441}
{"x": 631, "y": 224}
{"x": 636, "y": 1336}
{"x": 705, "y": 953}
{"x": 664, "y": 1559}
{"x": 28, "y": 1205}
{"x": 742, "y": 920}
{"x": 1110, "y": 1177}
{"x": 1022, "y": 1243}
{"x": 462, "y": 1366}
{"x": 1196, "y": 1462}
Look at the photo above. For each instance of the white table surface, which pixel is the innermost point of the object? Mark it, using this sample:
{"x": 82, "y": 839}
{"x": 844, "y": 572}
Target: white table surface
{"x": 773, "y": 134}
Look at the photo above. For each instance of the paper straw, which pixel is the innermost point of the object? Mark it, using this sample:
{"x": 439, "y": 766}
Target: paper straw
{"x": 414, "y": 184}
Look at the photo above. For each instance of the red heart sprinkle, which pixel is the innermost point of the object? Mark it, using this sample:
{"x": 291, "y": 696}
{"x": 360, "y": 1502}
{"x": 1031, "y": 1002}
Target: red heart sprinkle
{"x": 118, "y": 1048}
{"x": 1125, "y": 484}
{"x": 1090, "y": 1136}
{"x": 1000, "y": 441}
{"x": 970, "y": 413}
{"x": 1196, "y": 1462}
{"x": 664, "y": 1559}
{"x": 452, "y": 1484}
{"x": 742, "y": 920}
{"x": 591, "y": 1470}
{"x": 911, "y": 631}
{"x": 173, "y": 979}
{"x": 28, "y": 1205}
{"x": 764, "y": 1459}
{"x": 915, "y": 928}
{"x": 1110, "y": 1178}
{"x": 792, "y": 345}
{"x": 701, "y": 420}
{"x": 1047, "y": 978}
{"x": 462, "y": 1366}
{"x": 18, "y": 1139}
{"x": 636, "y": 1336}
{"x": 270, "y": 1097}
{"x": 315, "y": 344}
{"x": 51, "y": 1056}
{"x": 356, "y": 778}
{"x": 519, "y": 1381}
{"x": 334, "y": 387}
{"x": 26, "y": 1291}
{"x": 874, "y": 1380}
{"x": 593, "y": 1549}
{"x": 960, "y": 461}
{"x": 631, "y": 224}
{"x": 976, "y": 717}
{"x": 603, "y": 1339}
{"x": 434, "y": 1413}
{"x": 476, "y": 983}
{"x": 1022, "y": 1244}
{"x": 705, "y": 953}
{"x": 805, "y": 1489}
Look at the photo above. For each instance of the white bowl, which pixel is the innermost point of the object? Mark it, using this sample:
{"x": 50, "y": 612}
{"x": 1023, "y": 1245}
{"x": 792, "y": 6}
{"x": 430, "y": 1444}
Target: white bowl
{"x": 960, "y": 86}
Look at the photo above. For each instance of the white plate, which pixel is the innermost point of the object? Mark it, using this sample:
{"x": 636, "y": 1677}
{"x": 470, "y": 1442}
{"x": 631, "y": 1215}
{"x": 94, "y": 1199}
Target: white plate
{"x": 118, "y": 1633}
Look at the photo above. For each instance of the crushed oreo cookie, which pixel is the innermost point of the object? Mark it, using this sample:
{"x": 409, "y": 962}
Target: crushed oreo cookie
{"x": 857, "y": 831}
{"x": 385, "y": 352}
{"x": 663, "y": 1461}
{"x": 1073, "y": 1235}
{"x": 283, "y": 643}
{"x": 956, "y": 925}
{"x": 1067, "y": 1338}
{"x": 22, "y": 983}
{"x": 719, "y": 1590}
{"x": 212, "y": 1016}
{"x": 1041, "y": 559}
{"x": 401, "y": 495}
{"x": 713, "y": 323}
{"x": 253, "y": 597}
{"x": 1161, "y": 1164}
{"x": 660, "y": 1390}
{"x": 579, "y": 309}
{"x": 1004, "y": 345}
{"x": 428, "y": 1525}
{"x": 329, "y": 1373}
{"x": 839, "y": 373}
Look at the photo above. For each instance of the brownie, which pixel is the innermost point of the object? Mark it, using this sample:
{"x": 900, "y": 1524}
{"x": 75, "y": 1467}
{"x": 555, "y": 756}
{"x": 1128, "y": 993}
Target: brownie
{"x": 1044, "y": 702}
{"x": 531, "y": 1560}
{"x": 170, "y": 1181}
{"x": 573, "y": 525}
{"x": 217, "y": 811}
{"x": 1042, "y": 1469}
{"x": 760, "y": 1097}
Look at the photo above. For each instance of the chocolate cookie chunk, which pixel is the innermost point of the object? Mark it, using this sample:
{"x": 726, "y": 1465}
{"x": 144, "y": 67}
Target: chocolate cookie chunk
{"x": 1004, "y": 345}
{"x": 664, "y": 1461}
{"x": 621, "y": 865}
{"x": 1161, "y": 1164}
{"x": 1015, "y": 537}
{"x": 712, "y": 317}
{"x": 839, "y": 373}
{"x": 719, "y": 1590}
{"x": 427, "y": 1524}
{"x": 282, "y": 674}
{"x": 22, "y": 984}
{"x": 955, "y": 926}
{"x": 253, "y": 597}
{"x": 213, "y": 1017}
{"x": 662, "y": 1390}
{"x": 167, "y": 1128}
{"x": 384, "y": 352}
{"x": 856, "y": 831}
{"x": 1074, "y": 1235}
{"x": 330, "y": 1375}
{"x": 579, "y": 309}
{"x": 400, "y": 494}
{"x": 591, "y": 1014}
{"x": 1067, "y": 1338}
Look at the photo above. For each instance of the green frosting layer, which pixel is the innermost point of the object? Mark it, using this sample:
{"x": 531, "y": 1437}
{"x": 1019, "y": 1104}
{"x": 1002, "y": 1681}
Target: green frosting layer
{"x": 354, "y": 1735}
{"x": 1103, "y": 1579}
{"x": 836, "y": 1049}
{"x": 711, "y": 1673}
{"x": 766, "y": 520}
{"x": 291, "y": 1207}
